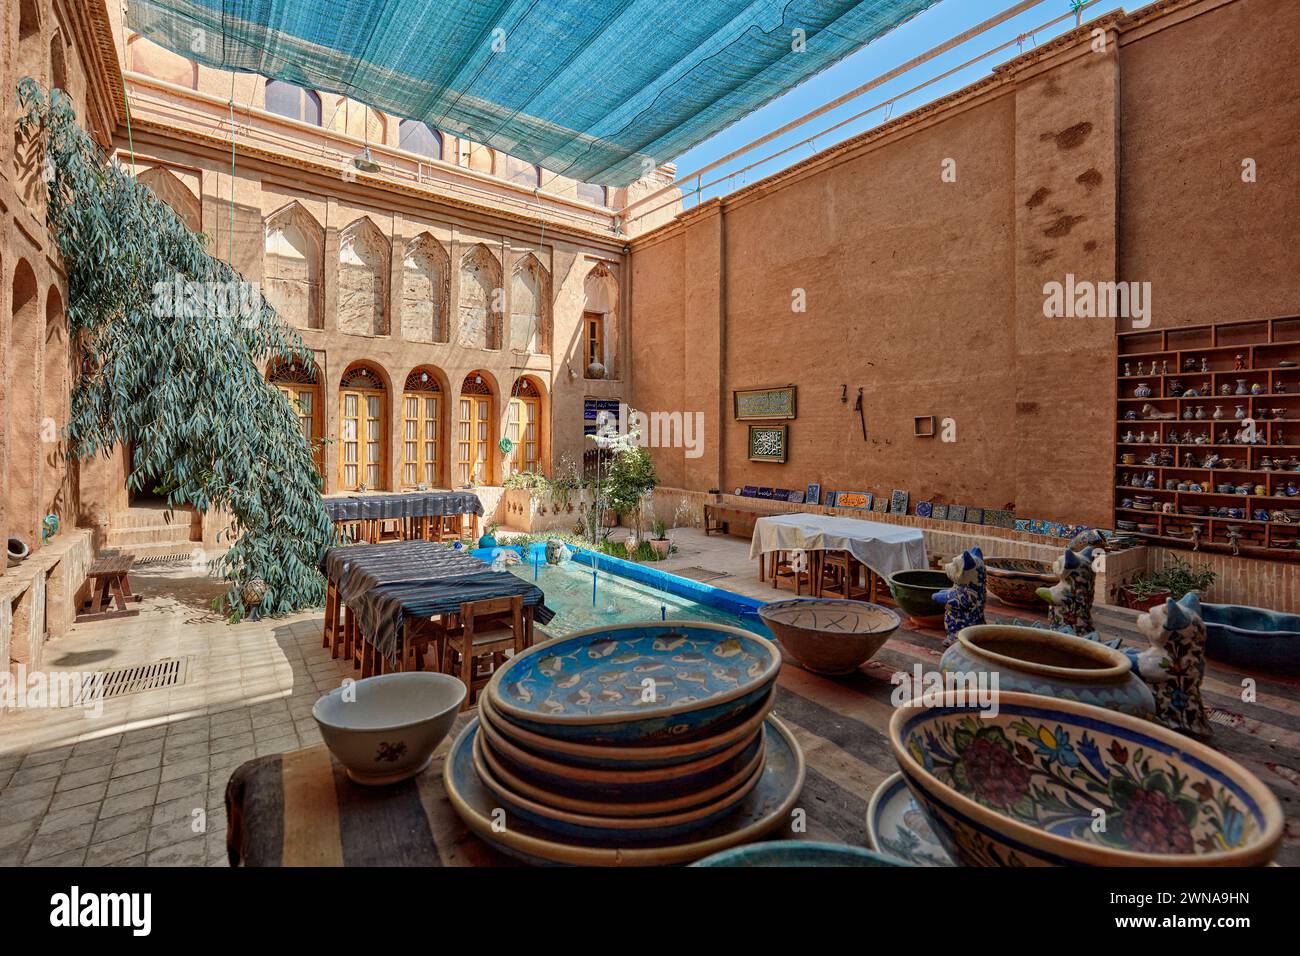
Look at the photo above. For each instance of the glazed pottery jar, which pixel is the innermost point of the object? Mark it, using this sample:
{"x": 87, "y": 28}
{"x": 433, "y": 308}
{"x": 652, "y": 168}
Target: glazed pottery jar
{"x": 1225, "y": 389}
{"x": 1200, "y": 411}
{"x": 1034, "y": 660}
{"x": 1257, "y": 389}
{"x": 1218, "y": 412}
{"x": 1241, "y": 387}
{"x": 1240, "y": 412}
{"x": 1143, "y": 390}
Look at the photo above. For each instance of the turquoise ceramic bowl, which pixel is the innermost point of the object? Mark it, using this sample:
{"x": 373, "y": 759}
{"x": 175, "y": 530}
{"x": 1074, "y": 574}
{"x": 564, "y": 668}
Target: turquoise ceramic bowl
{"x": 800, "y": 853}
{"x": 1251, "y": 637}
{"x": 610, "y": 757}
{"x": 636, "y": 684}
{"x": 1023, "y": 787}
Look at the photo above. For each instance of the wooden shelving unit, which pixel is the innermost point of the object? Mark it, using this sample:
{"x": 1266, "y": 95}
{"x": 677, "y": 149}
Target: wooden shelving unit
{"x": 1170, "y": 362}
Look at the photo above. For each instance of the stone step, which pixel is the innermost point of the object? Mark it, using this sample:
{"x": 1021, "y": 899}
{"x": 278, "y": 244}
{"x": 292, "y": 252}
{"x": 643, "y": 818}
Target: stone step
{"x": 147, "y": 517}
{"x": 149, "y": 534}
{"x": 163, "y": 549}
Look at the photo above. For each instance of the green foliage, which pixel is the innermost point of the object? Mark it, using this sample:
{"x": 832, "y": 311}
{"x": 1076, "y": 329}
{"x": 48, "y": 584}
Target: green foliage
{"x": 631, "y": 477}
{"x": 181, "y": 390}
{"x": 1179, "y": 577}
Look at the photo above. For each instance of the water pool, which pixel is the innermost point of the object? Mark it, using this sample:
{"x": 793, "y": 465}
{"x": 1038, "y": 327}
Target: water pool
{"x": 625, "y": 593}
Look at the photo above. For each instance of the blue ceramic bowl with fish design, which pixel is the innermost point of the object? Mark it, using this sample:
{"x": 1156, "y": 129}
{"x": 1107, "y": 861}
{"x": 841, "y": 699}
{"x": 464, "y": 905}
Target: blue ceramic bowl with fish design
{"x": 636, "y": 684}
{"x": 799, "y": 853}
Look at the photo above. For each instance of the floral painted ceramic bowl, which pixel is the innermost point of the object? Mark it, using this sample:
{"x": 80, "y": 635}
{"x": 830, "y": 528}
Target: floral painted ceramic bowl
{"x": 829, "y": 635}
{"x": 914, "y": 592}
{"x": 1034, "y": 660}
{"x": 384, "y": 729}
{"x": 1015, "y": 581}
{"x": 636, "y": 684}
{"x": 1028, "y": 785}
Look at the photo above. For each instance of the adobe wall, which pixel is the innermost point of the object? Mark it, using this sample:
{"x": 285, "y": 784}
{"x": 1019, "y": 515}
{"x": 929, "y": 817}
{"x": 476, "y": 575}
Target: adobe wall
{"x": 1120, "y": 164}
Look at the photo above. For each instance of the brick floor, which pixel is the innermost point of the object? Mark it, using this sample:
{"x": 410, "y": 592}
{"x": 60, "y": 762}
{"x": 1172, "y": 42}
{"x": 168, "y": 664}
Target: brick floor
{"x": 143, "y": 783}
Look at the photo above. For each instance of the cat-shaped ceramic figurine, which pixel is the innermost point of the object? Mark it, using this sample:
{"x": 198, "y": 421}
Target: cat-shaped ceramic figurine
{"x": 1071, "y": 598}
{"x": 1174, "y": 664}
{"x": 963, "y": 603}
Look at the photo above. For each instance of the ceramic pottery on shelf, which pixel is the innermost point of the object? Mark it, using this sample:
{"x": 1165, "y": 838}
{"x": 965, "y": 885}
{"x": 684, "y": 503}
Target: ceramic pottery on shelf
{"x": 1143, "y": 390}
{"x": 1033, "y": 660}
{"x": 762, "y": 809}
{"x": 798, "y": 853}
{"x": 914, "y": 591}
{"x": 963, "y": 603}
{"x": 1021, "y": 788}
{"x": 829, "y": 635}
{"x": 1174, "y": 664}
{"x": 636, "y": 683}
{"x": 1250, "y": 637}
{"x": 1071, "y": 599}
{"x": 899, "y": 830}
{"x": 1015, "y": 581}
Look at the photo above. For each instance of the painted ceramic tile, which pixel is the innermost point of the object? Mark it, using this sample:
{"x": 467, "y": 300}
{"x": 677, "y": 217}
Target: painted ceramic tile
{"x": 794, "y": 497}
{"x": 898, "y": 503}
{"x": 814, "y": 494}
{"x": 880, "y": 504}
{"x": 974, "y": 515}
{"x": 999, "y": 518}
{"x": 1022, "y": 524}
{"x": 923, "y": 509}
{"x": 1038, "y": 526}
{"x": 750, "y": 491}
{"x": 940, "y": 513}
{"x": 830, "y": 499}
{"x": 956, "y": 512}
{"x": 765, "y": 493}
{"x": 853, "y": 499}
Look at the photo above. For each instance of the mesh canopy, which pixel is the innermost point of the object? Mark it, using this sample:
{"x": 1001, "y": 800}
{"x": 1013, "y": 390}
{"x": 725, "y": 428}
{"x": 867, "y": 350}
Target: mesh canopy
{"x": 598, "y": 90}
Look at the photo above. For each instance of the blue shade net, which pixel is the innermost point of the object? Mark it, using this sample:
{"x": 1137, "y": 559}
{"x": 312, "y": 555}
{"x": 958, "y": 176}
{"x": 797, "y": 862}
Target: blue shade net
{"x": 601, "y": 92}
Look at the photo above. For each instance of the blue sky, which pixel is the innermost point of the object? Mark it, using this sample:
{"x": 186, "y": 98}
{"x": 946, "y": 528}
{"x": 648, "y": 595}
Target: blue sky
{"x": 930, "y": 29}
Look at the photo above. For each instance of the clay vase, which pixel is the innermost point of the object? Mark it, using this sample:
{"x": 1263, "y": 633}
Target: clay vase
{"x": 1241, "y": 387}
{"x": 1034, "y": 660}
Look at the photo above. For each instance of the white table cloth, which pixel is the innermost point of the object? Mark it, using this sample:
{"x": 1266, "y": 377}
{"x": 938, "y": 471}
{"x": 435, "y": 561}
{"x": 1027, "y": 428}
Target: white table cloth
{"x": 884, "y": 548}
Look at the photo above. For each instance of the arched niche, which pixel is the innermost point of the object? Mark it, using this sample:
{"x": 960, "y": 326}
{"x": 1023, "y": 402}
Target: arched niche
{"x": 530, "y": 306}
{"x": 364, "y": 262}
{"x": 481, "y": 299}
{"x": 291, "y": 267}
{"x": 426, "y": 289}
{"x": 600, "y": 319}
{"x": 167, "y": 187}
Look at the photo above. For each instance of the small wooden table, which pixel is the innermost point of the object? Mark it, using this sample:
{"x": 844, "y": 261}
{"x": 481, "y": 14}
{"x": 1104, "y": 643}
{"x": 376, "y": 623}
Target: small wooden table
{"x": 111, "y": 581}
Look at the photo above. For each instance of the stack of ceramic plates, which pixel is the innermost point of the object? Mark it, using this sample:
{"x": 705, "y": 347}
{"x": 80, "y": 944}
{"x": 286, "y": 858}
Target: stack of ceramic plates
{"x": 638, "y": 744}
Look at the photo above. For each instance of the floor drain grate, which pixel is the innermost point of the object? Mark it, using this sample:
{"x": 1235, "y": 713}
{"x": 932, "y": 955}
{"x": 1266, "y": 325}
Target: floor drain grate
{"x": 700, "y": 574}
{"x": 169, "y": 672}
{"x": 162, "y": 560}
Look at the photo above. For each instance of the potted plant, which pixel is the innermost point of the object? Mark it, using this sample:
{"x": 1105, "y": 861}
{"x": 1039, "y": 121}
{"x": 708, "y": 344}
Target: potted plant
{"x": 1175, "y": 580}
{"x": 489, "y": 539}
{"x": 660, "y": 542}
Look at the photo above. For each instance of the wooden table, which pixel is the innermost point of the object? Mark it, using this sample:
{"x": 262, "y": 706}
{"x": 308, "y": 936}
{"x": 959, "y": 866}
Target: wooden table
{"x": 111, "y": 582}
{"x": 881, "y": 547}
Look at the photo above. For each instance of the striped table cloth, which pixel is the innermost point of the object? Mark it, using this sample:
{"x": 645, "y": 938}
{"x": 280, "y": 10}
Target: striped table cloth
{"x": 411, "y": 504}
{"x": 299, "y": 809}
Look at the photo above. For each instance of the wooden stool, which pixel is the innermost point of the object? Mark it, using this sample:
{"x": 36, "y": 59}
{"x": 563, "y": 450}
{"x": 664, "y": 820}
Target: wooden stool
{"x": 782, "y": 566}
{"x": 111, "y": 581}
{"x": 478, "y": 643}
{"x": 840, "y": 576}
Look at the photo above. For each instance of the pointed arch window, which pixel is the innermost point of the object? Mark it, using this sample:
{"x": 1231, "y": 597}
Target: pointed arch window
{"x": 421, "y": 417}
{"x": 362, "y": 427}
{"x": 474, "y": 426}
{"x": 524, "y": 426}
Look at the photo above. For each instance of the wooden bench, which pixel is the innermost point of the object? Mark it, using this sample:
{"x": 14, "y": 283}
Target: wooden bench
{"x": 720, "y": 518}
{"x": 111, "y": 582}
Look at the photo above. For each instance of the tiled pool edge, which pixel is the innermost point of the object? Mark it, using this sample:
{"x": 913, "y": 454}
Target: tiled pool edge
{"x": 715, "y": 597}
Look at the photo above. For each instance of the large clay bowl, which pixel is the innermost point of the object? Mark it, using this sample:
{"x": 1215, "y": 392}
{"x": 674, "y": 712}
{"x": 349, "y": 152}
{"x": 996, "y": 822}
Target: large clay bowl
{"x": 622, "y": 786}
{"x": 1022, "y": 787}
{"x": 914, "y": 592}
{"x": 590, "y": 687}
{"x": 1034, "y": 660}
{"x": 610, "y": 757}
{"x": 1251, "y": 637}
{"x": 594, "y": 804}
{"x": 387, "y": 728}
{"x": 827, "y": 635}
{"x": 800, "y": 853}
{"x": 1015, "y": 581}
{"x": 666, "y": 827}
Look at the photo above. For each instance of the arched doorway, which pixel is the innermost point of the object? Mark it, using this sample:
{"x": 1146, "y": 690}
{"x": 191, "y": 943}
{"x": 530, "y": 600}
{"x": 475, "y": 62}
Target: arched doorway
{"x": 300, "y": 385}
{"x": 474, "y": 426}
{"x": 23, "y": 410}
{"x": 421, "y": 438}
{"x": 524, "y": 426}
{"x": 363, "y": 416}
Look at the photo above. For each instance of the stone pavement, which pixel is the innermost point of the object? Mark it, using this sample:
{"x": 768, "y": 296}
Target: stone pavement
{"x": 144, "y": 782}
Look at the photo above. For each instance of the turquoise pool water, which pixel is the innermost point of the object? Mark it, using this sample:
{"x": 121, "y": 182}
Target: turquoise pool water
{"x": 618, "y": 599}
